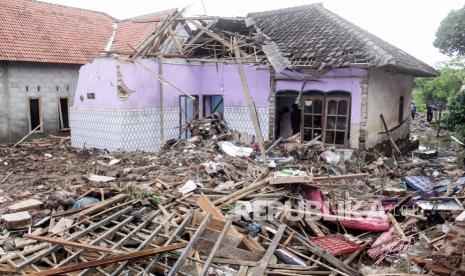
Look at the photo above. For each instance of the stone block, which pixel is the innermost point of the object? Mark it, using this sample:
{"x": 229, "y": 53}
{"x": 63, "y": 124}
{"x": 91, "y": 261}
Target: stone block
{"x": 25, "y": 205}
{"x": 15, "y": 221}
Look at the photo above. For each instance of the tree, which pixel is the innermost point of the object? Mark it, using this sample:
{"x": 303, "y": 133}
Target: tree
{"x": 440, "y": 88}
{"x": 450, "y": 36}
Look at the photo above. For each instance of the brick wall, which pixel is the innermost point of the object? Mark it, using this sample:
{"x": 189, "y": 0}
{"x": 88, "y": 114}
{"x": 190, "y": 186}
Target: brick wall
{"x": 22, "y": 80}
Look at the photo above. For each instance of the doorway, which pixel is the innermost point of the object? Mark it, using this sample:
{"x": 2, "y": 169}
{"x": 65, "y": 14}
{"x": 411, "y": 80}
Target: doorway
{"x": 188, "y": 111}
{"x": 287, "y": 120}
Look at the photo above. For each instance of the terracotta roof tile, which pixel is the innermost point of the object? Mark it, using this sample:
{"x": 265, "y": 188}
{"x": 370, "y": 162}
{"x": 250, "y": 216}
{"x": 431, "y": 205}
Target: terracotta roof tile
{"x": 131, "y": 32}
{"x": 35, "y": 31}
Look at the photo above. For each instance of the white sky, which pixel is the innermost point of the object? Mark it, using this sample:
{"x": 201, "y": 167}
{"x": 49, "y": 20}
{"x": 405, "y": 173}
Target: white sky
{"x": 408, "y": 24}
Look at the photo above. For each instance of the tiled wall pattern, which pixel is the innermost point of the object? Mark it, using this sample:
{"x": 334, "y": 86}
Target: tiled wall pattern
{"x": 238, "y": 118}
{"x": 122, "y": 129}
{"x": 140, "y": 129}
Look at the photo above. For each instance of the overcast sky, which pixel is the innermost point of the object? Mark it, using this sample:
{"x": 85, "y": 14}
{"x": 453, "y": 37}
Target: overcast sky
{"x": 408, "y": 24}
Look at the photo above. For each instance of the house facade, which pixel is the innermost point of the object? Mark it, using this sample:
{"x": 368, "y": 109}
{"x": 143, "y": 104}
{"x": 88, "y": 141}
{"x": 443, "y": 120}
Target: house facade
{"x": 42, "y": 47}
{"x": 341, "y": 78}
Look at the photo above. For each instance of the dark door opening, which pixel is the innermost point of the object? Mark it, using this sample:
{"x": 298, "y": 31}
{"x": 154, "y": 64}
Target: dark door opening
{"x": 63, "y": 112}
{"x": 35, "y": 117}
{"x": 287, "y": 120}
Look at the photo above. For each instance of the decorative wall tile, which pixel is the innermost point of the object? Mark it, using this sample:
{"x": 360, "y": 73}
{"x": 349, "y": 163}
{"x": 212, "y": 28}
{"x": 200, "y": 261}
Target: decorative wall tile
{"x": 238, "y": 118}
{"x": 140, "y": 129}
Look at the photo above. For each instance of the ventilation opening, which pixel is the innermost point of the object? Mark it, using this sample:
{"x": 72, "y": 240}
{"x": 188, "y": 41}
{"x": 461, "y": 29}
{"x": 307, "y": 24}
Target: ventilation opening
{"x": 63, "y": 111}
{"x": 35, "y": 118}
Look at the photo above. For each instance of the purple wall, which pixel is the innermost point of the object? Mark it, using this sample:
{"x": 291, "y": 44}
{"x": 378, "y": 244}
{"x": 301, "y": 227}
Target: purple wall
{"x": 99, "y": 77}
{"x": 344, "y": 79}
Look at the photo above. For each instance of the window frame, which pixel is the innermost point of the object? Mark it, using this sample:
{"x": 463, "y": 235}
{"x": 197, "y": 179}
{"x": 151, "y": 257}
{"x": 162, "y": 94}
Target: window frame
{"x": 326, "y": 98}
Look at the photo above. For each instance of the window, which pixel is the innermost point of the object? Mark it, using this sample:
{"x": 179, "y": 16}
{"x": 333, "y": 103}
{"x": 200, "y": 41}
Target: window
{"x": 35, "y": 115}
{"x": 63, "y": 113}
{"x": 212, "y": 104}
{"x": 327, "y": 115}
{"x": 312, "y": 116}
{"x": 401, "y": 109}
{"x": 91, "y": 96}
{"x": 337, "y": 120}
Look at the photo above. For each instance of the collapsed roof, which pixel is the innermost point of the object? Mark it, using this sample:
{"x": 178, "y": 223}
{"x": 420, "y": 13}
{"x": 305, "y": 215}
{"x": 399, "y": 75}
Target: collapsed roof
{"x": 301, "y": 37}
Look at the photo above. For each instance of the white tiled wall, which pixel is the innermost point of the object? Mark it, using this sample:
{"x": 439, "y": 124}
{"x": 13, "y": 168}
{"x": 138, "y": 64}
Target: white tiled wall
{"x": 140, "y": 129}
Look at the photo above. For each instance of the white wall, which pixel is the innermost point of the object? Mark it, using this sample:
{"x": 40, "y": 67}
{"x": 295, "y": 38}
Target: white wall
{"x": 384, "y": 91}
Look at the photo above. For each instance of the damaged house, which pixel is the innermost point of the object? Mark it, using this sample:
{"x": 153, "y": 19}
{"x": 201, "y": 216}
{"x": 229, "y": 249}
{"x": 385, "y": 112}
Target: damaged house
{"x": 42, "y": 47}
{"x": 307, "y": 70}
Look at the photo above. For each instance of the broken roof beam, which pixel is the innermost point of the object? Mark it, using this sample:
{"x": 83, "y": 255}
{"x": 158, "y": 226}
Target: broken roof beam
{"x": 216, "y": 37}
{"x": 148, "y": 41}
{"x": 198, "y": 35}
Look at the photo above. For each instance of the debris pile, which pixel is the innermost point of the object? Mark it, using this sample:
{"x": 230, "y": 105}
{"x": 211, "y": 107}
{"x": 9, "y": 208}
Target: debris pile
{"x": 210, "y": 205}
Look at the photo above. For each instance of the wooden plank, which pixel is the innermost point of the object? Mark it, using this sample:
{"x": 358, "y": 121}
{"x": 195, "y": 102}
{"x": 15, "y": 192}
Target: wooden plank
{"x": 27, "y": 136}
{"x": 217, "y": 245}
{"x": 227, "y": 251}
{"x": 65, "y": 242}
{"x": 250, "y": 103}
{"x": 270, "y": 251}
{"x": 396, "y": 226}
{"x": 110, "y": 260}
{"x": 207, "y": 206}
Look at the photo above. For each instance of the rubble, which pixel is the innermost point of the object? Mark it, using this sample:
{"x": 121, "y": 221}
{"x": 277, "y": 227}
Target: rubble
{"x": 209, "y": 205}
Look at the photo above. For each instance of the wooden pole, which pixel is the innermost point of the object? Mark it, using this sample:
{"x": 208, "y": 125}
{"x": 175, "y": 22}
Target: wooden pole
{"x": 250, "y": 104}
{"x": 29, "y": 134}
{"x": 162, "y": 111}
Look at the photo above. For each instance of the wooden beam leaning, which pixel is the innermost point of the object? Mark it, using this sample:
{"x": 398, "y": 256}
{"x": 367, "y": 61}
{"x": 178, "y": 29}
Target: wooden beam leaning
{"x": 389, "y": 134}
{"x": 270, "y": 251}
{"x": 250, "y": 104}
{"x": 180, "y": 262}
{"x": 29, "y": 134}
{"x": 216, "y": 247}
{"x": 110, "y": 260}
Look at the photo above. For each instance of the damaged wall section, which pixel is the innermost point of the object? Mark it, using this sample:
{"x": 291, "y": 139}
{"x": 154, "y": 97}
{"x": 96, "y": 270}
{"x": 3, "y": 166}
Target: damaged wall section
{"x": 104, "y": 121}
{"x": 344, "y": 79}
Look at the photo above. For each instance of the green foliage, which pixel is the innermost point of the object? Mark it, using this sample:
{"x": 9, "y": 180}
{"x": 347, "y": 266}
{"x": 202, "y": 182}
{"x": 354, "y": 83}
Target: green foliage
{"x": 454, "y": 119}
{"x": 420, "y": 102}
{"x": 440, "y": 88}
{"x": 447, "y": 89}
{"x": 450, "y": 36}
